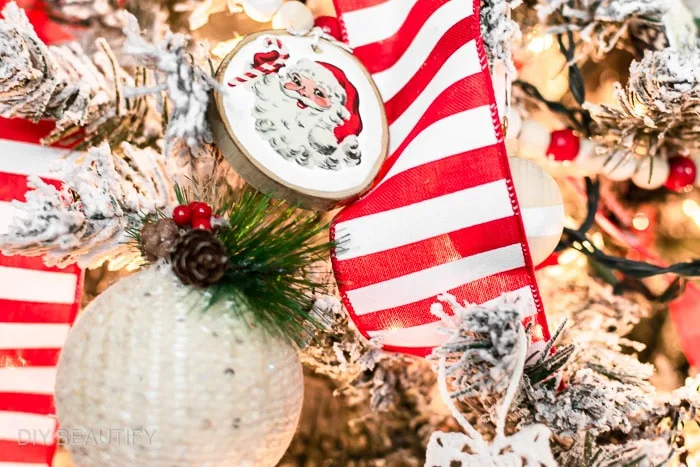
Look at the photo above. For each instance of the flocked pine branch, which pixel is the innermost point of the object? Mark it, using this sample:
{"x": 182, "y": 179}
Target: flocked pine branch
{"x": 601, "y": 23}
{"x": 87, "y": 12}
{"x": 480, "y": 350}
{"x": 363, "y": 372}
{"x": 86, "y": 221}
{"x": 499, "y": 31}
{"x": 660, "y": 105}
{"x": 186, "y": 85}
{"x": 81, "y": 92}
{"x": 589, "y": 391}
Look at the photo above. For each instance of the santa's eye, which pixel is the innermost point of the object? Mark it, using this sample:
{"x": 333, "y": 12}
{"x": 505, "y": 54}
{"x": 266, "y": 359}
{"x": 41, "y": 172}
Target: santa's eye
{"x": 296, "y": 80}
{"x": 319, "y": 93}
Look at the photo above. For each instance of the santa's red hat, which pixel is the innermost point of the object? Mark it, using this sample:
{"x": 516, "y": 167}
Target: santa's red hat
{"x": 352, "y": 126}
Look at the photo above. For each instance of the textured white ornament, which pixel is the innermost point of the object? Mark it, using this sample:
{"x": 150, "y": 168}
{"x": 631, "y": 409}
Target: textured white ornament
{"x": 293, "y": 16}
{"x": 261, "y": 10}
{"x": 620, "y": 166}
{"x": 533, "y": 140}
{"x": 651, "y": 176}
{"x": 187, "y": 387}
{"x": 541, "y": 204}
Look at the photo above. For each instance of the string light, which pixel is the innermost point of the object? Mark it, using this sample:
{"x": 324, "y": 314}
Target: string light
{"x": 640, "y": 221}
{"x": 540, "y": 44}
{"x": 692, "y": 209}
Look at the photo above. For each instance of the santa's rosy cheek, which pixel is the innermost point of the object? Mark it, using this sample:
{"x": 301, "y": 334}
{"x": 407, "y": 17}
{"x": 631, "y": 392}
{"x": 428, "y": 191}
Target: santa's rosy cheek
{"x": 291, "y": 86}
{"x": 322, "y": 102}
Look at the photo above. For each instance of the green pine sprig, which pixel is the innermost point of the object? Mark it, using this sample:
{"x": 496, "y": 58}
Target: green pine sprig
{"x": 274, "y": 254}
{"x": 276, "y": 258}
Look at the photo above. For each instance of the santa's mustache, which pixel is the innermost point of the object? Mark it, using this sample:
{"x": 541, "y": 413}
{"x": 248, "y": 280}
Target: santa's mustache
{"x": 299, "y": 97}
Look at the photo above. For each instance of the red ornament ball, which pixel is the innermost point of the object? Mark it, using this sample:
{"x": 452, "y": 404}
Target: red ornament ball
{"x": 201, "y": 223}
{"x": 563, "y": 145}
{"x": 682, "y": 172}
{"x": 182, "y": 215}
{"x": 200, "y": 210}
{"x": 330, "y": 25}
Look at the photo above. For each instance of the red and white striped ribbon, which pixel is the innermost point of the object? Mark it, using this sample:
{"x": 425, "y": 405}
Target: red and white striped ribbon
{"x": 37, "y": 307}
{"x": 37, "y": 303}
{"x": 443, "y": 216}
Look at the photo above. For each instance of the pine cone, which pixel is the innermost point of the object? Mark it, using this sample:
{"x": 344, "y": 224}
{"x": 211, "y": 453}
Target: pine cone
{"x": 199, "y": 258}
{"x": 157, "y": 238}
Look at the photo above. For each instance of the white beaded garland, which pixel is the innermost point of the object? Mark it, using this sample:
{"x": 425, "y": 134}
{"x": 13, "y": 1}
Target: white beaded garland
{"x": 294, "y": 16}
{"x": 533, "y": 141}
{"x": 620, "y": 166}
{"x": 190, "y": 387}
{"x": 651, "y": 175}
{"x": 588, "y": 160}
{"x": 261, "y": 10}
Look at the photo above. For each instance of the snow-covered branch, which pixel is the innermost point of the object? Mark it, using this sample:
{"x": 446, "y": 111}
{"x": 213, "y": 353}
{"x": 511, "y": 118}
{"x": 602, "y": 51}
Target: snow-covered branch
{"x": 56, "y": 82}
{"x": 185, "y": 83}
{"x": 86, "y": 220}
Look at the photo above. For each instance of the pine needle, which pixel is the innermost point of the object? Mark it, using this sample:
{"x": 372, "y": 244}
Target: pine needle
{"x": 272, "y": 250}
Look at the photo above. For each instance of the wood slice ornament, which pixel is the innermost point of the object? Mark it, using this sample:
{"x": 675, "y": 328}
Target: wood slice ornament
{"x": 299, "y": 118}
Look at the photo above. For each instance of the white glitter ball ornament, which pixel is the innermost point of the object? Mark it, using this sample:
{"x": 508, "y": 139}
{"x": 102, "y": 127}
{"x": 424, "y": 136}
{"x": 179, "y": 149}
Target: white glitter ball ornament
{"x": 158, "y": 381}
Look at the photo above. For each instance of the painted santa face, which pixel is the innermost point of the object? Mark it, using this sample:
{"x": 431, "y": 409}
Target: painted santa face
{"x": 307, "y": 91}
{"x": 300, "y": 119}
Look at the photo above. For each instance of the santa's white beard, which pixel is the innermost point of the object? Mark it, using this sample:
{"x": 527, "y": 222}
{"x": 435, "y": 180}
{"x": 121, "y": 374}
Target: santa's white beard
{"x": 303, "y": 135}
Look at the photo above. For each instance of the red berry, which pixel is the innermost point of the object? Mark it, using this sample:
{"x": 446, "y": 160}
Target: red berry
{"x": 330, "y": 25}
{"x": 200, "y": 209}
{"x": 563, "y": 145}
{"x": 182, "y": 215}
{"x": 201, "y": 223}
{"x": 682, "y": 172}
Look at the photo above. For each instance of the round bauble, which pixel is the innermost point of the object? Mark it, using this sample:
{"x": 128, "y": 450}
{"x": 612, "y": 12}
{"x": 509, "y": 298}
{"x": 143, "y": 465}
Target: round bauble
{"x": 682, "y": 173}
{"x": 261, "y": 11}
{"x": 294, "y": 16}
{"x": 651, "y": 173}
{"x": 541, "y": 205}
{"x": 620, "y": 166}
{"x": 589, "y": 162}
{"x": 533, "y": 140}
{"x": 564, "y": 145}
{"x": 181, "y": 386}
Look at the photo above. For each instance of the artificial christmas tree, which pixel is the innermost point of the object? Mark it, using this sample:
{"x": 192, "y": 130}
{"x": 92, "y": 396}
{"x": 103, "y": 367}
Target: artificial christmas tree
{"x": 576, "y": 364}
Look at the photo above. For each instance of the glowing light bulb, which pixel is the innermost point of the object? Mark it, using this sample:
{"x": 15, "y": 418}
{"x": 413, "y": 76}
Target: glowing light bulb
{"x": 691, "y": 209}
{"x": 640, "y": 221}
{"x": 540, "y": 43}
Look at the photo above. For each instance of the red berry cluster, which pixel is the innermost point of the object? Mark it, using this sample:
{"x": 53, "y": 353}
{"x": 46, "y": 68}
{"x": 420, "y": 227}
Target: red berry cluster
{"x": 196, "y": 214}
